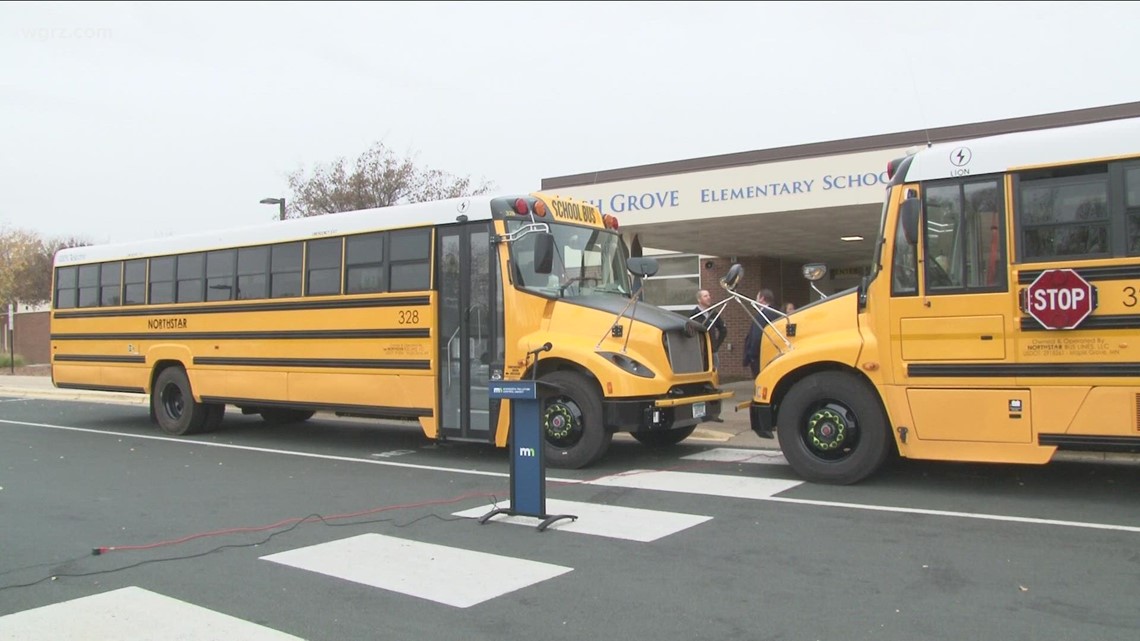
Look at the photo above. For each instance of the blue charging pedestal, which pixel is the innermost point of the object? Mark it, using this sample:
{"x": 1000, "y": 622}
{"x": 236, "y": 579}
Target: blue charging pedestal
{"x": 528, "y": 465}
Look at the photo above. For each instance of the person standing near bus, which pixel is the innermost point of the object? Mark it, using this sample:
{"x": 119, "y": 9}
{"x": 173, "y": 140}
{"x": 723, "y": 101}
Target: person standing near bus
{"x": 715, "y": 326}
{"x": 752, "y": 341}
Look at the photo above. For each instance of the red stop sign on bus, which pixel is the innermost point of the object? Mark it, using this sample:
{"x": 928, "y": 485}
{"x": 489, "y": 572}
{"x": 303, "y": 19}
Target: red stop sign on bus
{"x": 1059, "y": 299}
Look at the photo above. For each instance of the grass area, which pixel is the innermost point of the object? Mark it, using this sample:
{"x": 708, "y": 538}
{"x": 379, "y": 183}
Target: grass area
{"x": 6, "y": 360}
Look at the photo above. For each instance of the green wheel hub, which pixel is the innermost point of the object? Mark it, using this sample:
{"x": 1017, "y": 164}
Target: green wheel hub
{"x": 827, "y": 429}
{"x": 562, "y": 424}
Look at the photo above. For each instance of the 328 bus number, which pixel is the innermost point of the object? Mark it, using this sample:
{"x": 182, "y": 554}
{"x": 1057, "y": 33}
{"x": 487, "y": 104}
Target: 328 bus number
{"x": 411, "y": 317}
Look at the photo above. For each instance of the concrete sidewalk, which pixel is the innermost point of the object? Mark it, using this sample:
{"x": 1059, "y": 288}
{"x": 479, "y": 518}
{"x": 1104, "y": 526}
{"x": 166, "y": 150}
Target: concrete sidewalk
{"x": 41, "y": 387}
{"x": 733, "y": 430}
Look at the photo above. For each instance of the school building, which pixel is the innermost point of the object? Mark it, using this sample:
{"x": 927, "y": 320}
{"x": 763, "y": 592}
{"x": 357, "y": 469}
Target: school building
{"x": 771, "y": 211}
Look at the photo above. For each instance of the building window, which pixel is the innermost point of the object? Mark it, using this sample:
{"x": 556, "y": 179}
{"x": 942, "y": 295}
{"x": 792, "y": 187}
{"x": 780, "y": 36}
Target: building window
{"x": 676, "y": 282}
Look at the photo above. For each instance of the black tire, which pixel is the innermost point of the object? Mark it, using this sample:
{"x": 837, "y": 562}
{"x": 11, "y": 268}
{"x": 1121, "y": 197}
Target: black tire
{"x": 832, "y": 429}
{"x": 664, "y": 438}
{"x": 173, "y": 406}
{"x": 285, "y": 417}
{"x": 570, "y": 417}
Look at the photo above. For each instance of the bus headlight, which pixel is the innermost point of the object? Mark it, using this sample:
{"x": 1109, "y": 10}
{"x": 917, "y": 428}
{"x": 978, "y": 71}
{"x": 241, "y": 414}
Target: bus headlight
{"x": 628, "y": 364}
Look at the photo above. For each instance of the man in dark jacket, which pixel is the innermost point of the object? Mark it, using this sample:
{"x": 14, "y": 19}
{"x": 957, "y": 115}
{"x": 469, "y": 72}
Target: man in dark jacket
{"x": 717, "y": 330}
{"x": 752, "y": 341}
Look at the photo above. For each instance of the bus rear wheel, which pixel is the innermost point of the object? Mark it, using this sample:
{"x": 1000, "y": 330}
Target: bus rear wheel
{"x": 570, "y": 417}
{"x": 832, "y": 429}
{"x": 173, "y": 406}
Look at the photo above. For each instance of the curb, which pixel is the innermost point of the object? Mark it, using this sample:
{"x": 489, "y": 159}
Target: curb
{"x": 78, "y": 395}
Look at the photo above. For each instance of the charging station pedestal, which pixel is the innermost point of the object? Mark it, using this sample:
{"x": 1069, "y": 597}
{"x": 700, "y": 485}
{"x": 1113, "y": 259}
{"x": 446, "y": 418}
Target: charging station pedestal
{"x": 528, "y": 465}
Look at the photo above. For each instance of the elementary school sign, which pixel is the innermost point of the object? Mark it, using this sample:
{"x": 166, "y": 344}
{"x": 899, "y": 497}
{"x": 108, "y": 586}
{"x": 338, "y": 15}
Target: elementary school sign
{"x": 809, "y": 183}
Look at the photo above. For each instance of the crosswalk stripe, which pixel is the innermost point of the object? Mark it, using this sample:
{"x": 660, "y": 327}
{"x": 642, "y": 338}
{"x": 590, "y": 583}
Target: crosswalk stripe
{"x": 742, "y": 487}
{"x": 736, "y": 455}
{"x": 631, "y": 524}
{"x": 452, "y": 576}
{"x": 130, "y": 614}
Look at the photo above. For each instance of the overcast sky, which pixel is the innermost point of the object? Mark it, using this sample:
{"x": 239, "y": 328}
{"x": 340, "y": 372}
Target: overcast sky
{"x": 124, "y": 121}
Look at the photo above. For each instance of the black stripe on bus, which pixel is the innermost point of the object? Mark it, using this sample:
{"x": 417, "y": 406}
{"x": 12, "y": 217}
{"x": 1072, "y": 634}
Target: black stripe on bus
{"x": 1115, "y": 321}
{"x": 979, "y": 370}
{"x": 355, "y": 410}
{"x": 1121, "y": 272}
{"x": 102, "y": 388}
{"x": 97, "y": 358}
{"x": 348, "y": 363}
{"x": 1091, "y": 443}
{"x": 240, "y": 306}
{"x": 268, "y": 335}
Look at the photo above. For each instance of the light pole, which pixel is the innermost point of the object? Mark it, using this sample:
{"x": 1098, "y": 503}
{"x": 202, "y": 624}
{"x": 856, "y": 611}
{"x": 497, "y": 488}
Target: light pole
{"x": 275, "y": 201}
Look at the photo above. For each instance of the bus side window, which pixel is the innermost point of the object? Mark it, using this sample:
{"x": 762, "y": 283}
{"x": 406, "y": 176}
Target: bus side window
{"x": 904, "y": 271}
{"x": 942, "y": 234}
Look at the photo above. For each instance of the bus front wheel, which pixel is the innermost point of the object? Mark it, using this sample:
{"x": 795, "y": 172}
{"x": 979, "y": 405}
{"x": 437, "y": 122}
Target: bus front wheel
{"x": 570, "y": 417}
{"x": 832, "y": 429}
{"x": 173, "y": 406}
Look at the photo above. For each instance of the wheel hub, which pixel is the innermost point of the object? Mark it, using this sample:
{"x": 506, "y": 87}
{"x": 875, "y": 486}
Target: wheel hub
{"x": 560, "y": 424}
{"x": 827, "y": 429}
{"x": 172, "y": 401}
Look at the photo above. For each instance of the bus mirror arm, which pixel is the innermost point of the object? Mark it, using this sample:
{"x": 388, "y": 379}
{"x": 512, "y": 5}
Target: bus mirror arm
{"x": 633, "y": 298}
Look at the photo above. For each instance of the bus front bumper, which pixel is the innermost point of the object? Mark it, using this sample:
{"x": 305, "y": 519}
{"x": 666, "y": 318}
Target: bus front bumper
{"x": 628, "y": 415}
{"x": 760, "y": 414}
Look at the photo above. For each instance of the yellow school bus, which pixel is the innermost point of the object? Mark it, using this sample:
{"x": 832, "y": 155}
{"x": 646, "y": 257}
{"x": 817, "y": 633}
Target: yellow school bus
{"x": 405, "y": 312}
{"x": 997, "y": 322}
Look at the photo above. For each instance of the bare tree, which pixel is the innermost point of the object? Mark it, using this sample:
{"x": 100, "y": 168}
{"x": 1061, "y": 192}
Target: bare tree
{"x": 378, "y": 178}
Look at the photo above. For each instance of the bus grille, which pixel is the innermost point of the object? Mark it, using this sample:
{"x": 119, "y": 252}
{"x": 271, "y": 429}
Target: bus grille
{"x": 1137, "y": 423}
{"x": 686, "y": 353}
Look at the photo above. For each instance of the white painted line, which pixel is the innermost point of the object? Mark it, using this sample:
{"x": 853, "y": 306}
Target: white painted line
{"x": 741, "y": 487}
{"x": 736, "y": 455}
{"x": 263, "y": 450}
{"x": 962, "y": 515}
{"x": 461, "y": 578}
{"x": 602, "y": 481}
{"x": 615, "y": 522}
{"x": 130, "y": 614}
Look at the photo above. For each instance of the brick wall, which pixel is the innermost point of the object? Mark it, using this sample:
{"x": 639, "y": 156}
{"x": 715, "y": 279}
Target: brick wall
{"x": 782, "y": 277}
{"x": 32, "y": 336}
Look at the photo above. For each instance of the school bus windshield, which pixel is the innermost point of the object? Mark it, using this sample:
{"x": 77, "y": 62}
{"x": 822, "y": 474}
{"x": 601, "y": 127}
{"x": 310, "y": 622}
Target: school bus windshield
{"x": 586, "y": 261}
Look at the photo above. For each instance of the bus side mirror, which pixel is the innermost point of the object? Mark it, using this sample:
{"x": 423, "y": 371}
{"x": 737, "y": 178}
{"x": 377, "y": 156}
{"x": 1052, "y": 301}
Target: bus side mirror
{"x": 543, "y": 252}
{"x": 909, "y": 214}
{"x": 732, "y": 278}
{"x": 814, "y": 271}
{"x": 642, "y": 266}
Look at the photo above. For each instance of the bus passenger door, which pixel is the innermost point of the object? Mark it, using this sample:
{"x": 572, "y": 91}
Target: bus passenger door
{"x": 470, "y": 330}
{"x": 951, "y": 318}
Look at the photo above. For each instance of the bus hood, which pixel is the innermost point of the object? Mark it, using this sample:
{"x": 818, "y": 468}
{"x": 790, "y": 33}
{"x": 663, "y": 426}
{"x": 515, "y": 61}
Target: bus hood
{"x": 662, "y": 319}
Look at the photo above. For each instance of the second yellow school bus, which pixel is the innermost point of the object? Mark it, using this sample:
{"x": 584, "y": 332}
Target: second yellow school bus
{"x": 406, "y": 312}
{"x": 997, "y": 322}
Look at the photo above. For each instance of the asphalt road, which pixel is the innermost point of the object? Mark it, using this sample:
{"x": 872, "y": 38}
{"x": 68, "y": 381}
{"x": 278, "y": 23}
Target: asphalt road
{"x": 338, "y": 529}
